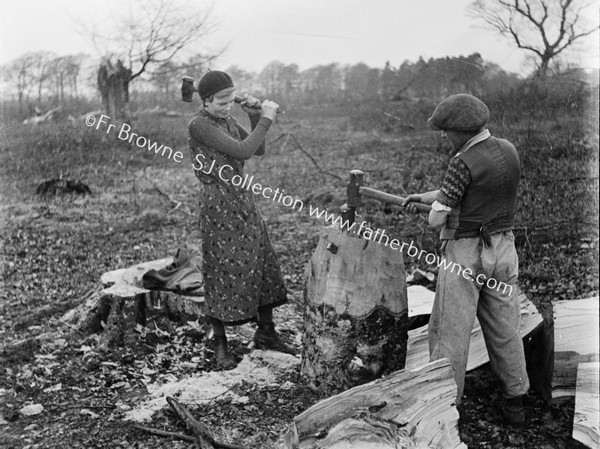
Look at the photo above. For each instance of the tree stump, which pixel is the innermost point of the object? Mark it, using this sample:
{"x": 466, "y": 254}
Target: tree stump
{"x": 113, "y": 85}
{"x": 115, "y": 309}
{"x": 355, "y": 312}
{"x": 408, "y": 409}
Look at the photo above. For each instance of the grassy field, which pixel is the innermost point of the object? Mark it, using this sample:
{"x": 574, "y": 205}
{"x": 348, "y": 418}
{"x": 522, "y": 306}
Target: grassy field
{"x": 143, "y": 207}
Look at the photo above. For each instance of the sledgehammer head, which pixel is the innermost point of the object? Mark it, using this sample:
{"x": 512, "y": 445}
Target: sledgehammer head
{"x": 353, "y": 189}
{"x": 187, "y": 89}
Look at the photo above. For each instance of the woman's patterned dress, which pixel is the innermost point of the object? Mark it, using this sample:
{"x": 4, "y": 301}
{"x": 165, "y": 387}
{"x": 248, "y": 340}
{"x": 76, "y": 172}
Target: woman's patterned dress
{"x": 240, "y": 267}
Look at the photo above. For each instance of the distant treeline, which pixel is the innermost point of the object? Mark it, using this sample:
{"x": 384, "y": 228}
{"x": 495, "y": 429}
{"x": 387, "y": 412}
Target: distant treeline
{"x": 39, "y": 81}
{"x": 332, "y": 82}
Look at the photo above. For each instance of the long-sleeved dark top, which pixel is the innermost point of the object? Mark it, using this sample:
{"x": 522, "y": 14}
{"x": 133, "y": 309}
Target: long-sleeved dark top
{"x": 218, "y": 134}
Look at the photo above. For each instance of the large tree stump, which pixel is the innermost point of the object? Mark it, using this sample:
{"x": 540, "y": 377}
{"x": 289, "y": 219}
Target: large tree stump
{"x": 355, "y": 312}
{"x": 122, "y": 303}
{"x": 586, "y": 423}
{"x": 407, "y": 409}
{"x": 113, "y": 85}
{"x": 575, "y": 342}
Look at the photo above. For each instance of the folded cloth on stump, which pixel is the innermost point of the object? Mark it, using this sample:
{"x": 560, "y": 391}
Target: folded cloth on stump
{"x": 183, "y": 275}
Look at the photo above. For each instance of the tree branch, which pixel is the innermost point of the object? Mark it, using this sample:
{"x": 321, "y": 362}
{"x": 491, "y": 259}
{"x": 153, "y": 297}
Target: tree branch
{"x": 532, "y": 24}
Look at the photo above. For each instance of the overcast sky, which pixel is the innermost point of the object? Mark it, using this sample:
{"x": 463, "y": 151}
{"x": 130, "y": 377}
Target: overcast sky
{"x": 305, "y": 32}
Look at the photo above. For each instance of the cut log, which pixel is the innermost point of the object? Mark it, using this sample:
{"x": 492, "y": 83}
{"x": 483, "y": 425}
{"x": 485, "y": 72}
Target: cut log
{"x": 408, "y": 409}
{"x": 121, "y": 303}
{"x": 586, "y": 423}
{"x": 418, "y": 346}
{"x": 355, "y": 312}
{"x": 575, "y": 342}
{"x": 420, "y": 303}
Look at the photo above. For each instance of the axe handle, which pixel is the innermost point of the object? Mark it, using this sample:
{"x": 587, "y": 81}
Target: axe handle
{"x": 389, "y": 198}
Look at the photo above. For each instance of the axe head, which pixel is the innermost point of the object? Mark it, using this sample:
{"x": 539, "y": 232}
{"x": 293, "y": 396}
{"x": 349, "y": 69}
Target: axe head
{"x": 187, "y": 89}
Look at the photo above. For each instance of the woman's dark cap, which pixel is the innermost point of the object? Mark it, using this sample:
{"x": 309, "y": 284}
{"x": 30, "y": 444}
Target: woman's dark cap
{"x": 213, "y": 82}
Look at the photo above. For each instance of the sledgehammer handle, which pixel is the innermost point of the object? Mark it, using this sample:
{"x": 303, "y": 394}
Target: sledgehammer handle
{"x": 389, "y": 198}
{"x": 239, "y": 99}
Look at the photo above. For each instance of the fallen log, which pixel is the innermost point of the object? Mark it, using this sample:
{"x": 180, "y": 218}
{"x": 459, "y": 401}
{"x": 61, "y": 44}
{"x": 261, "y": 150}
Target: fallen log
{"x": 586, "y": 422}
{"x": 418, "y": 346}
{"x": 52, "y": 116}
{"x": 409, "y": 409}
{"x": 121, "y": 303}
{"x": 355, "y": 312}
{"x": 575, "y": 342}
{"x": 420, "y": 302}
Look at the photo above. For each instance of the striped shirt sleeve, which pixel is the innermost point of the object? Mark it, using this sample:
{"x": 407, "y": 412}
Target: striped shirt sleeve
{"x": 456, "y": 181}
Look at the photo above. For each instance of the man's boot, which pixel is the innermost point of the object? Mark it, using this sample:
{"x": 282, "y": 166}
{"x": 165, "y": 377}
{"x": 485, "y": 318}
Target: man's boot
{"x": 266, "y": 337}
{"x": 512, "y": 411}
{"x": 224, "y": 358}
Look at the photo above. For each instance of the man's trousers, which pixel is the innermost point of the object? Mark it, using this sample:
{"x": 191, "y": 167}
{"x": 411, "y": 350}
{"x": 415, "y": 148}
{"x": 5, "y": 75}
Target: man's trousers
{"x": 480, "y": 280}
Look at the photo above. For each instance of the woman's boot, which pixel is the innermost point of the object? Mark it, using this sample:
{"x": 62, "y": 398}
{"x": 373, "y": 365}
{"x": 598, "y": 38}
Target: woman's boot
{"x": 266, "y": 337}
{"x": 224, "y": 358}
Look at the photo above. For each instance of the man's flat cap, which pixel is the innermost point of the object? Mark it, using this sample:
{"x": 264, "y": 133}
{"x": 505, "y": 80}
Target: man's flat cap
{"x": 460, "y": 112}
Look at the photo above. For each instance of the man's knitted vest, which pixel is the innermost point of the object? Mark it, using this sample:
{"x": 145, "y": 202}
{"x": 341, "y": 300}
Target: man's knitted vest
{"x": 488, "y": 205}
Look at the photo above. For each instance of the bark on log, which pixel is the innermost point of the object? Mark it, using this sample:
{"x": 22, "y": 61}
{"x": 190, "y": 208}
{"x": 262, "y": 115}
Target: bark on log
{"x": 586, "y": 422}
{"x": 575, "y": 342}
{"x": 408, "y": 409}
{"x": 121, "y": 304}
{"x": 355, "y": 312}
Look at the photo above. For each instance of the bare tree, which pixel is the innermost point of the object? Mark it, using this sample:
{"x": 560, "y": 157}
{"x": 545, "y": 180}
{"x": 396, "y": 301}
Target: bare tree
{"x": 25, "y": 73}
{"x": 35, "y": 76}
{"x": 328, "y": 83}
{"x": 42, "y": 70}
{"x": 270, "y": 78}
{"x": 63, "y": 72}
{"x": 167, "y": 76}
{"x": 162, "y": 78}
{"x": 245, "y": 82}
{"x": 148, "y": 37}
{"x": 545, "y": 28}
{"x": 362, "y": 82}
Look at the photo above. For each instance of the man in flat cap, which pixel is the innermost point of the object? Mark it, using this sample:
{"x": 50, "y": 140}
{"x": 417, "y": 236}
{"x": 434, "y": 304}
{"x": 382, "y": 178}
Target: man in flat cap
{"x": 475, "y": 209}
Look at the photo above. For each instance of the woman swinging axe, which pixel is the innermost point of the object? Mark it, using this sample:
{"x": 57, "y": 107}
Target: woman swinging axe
{"x": 243, "y": 281}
